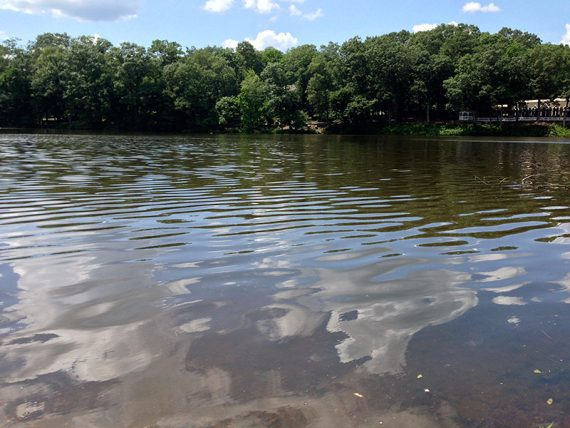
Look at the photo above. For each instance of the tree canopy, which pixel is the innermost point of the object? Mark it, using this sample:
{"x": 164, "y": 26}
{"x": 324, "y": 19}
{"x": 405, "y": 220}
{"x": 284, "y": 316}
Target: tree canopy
{"x": 86, "y": 82}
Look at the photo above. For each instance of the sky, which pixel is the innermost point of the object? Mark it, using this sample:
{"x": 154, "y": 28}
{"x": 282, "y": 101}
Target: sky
{"x": 279, "y": 23}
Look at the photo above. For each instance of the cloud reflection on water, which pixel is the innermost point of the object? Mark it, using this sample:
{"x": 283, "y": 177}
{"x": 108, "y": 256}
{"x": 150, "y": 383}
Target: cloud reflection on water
{"x": 377, "y": 317}
{"x": 93, "y": 307}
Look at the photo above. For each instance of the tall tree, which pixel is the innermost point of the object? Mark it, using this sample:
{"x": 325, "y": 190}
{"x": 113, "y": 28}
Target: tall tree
{"x": 16, "y": 106}
{"x": 87, "y": 81}
{"x": 253, "y": 101}
{"x": 197, "y": 82}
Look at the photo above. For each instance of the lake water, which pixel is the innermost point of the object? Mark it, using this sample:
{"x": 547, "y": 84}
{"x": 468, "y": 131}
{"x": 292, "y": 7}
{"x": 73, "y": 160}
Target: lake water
{"x": 283, "y": 282}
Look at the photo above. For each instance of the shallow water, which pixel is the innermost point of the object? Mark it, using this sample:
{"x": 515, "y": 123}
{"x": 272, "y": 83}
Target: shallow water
{"x": 283, "y": 282}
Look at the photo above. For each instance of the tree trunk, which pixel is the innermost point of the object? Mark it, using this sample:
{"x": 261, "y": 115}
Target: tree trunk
{"x": 427, "y": 111}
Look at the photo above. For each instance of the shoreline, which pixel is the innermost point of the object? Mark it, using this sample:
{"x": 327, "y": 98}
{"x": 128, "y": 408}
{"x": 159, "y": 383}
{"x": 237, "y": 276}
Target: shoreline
{"x": 542, "y": 130}
{"x": 546, "y": 130}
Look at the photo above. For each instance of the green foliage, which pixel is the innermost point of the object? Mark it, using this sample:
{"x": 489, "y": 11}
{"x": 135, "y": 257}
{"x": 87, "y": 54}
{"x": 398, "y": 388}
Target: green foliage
{"x": 284, "y": 101}
{"x": 248, "y": 58}
{"x": 229, "y": 112}
{"x": 270, "y": 55}
{"x": 497, "y": 72}
{"x": 558, "y": 131}
{"x": 482, "y": 130}
{"x": 196, "y": 83}
{"x": 16, "y": 105}
{"x": 324, "y": 82}
{"x": 87, "y": 81}
{"x": 359, "y": 85}
{"x": 253, "y": 101}
{"x": 296, "y": 63}
{"x": 165, "y": 52}
{"x": 550, "y": 75}
{"x": 48, "y": 81}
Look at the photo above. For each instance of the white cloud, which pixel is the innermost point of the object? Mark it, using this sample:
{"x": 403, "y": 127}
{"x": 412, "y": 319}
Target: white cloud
{"x": 261, "y": 6}
{"x": 474, "y": 7}
{"x": 265, "y": 39}
{"x": 264, "y": 7}
{"x": 230, "y": 43}
{"x": 281, "y": 41}
{"x": 566, "y": 38}
{"x": 313, "y": 15}
{"x": 423, "y": 27}
{"x": 84, "y": 10}
{"x": 294, "y": 10}
{"x": 3, "y": 35}
{"x": 218, "y": 6}
{"x": 428, "y": 27}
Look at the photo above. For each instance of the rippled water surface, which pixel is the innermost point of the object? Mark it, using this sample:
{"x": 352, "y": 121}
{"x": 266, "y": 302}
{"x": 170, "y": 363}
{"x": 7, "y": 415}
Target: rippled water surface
{"x": 283, "y": 282}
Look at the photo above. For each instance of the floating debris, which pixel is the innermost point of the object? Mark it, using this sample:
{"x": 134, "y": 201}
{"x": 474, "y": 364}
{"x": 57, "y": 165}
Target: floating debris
{"x": 420, "y": 376}
{"x": 550, "y": 401}
{"x": 427, "y": 390}
{"x": 514, "y": 320}
{"x": 537, "y": 371}
{"x": 356, "y": 394}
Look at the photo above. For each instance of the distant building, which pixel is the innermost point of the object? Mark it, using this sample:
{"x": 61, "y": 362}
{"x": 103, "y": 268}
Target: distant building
{"x": 557, "y": 110}
{"x": 558, "y": 102}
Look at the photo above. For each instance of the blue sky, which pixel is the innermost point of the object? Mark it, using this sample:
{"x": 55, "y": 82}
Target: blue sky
{"x": 281, "y": 23}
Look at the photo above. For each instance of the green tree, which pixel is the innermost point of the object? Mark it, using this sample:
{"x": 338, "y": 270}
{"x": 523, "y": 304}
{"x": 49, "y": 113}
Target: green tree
{"x": 136, "y": 82}
{"x": 87, "y": 81}
{"x": 253, "y": 101}
{"x": 16, "y": 106}
{"x": 550, "y": 70}
{"x": 165, "y": 52}
{"x": 248, "y": 58}
{"x": 197, "y": 82}
{"x": 229, "y": 112}
{"x": 326, "y": 78}
{"x": 48, "y": 75}
{"x": 496, "y": 73}
{"x": 434, "y": 63}
{"x": 284, "y": 104}
{"x": 270, "y": 55}
{"x": 296, "y": 64}
{"x": 390, "y": 71}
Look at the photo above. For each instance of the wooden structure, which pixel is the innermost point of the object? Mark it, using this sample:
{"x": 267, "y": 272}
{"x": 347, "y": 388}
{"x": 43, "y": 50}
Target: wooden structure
{"x": 557, "y": 110}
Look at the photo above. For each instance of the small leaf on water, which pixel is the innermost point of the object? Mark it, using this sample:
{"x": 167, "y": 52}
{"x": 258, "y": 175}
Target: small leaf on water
{"x": 537, "y": 371}
{"x": 550, "y": 401}
{"x": 356, "y": 394}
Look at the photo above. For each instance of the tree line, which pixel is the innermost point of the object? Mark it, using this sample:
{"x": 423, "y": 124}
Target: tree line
{"x": 86, "y": 82}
